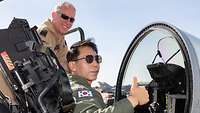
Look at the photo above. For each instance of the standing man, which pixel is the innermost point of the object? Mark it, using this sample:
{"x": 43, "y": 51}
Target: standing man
{"x": 53, "y": 29}
{"x": 84, "y": 63}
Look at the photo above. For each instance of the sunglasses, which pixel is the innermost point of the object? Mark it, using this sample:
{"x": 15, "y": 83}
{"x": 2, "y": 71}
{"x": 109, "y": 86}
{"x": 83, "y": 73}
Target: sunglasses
{"x": 90, "y": 58}
{"x": 65, "y": 17}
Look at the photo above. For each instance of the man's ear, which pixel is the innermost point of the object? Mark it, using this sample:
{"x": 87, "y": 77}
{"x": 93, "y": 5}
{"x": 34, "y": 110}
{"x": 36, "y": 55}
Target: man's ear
{"x": 53, "y": 14}
{"x": 72, "y": 66}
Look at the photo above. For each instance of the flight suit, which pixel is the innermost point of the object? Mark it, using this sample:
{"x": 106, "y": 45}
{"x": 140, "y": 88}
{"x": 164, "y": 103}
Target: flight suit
{"x": 54, "y": 40}
{"x": 88, "y": 100}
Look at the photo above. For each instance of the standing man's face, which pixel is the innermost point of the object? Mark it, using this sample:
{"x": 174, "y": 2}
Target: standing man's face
{"x": 63, "y": 20}
{"x": 86, "y": 70}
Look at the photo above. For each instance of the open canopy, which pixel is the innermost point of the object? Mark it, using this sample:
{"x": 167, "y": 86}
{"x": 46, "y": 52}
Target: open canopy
{"x": 166, "y": 60}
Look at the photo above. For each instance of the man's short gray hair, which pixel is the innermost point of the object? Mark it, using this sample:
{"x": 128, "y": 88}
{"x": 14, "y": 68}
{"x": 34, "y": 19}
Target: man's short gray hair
{"x": 66, "y": 4}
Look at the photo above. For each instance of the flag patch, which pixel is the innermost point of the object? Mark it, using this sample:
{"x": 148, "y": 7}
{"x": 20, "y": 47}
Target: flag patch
{"x": 85, "y": 93}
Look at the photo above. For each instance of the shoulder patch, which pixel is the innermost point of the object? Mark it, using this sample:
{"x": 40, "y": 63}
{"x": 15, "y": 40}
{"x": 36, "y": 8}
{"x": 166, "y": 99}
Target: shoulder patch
{"x": 44, "y": 33}
{"x": 85, "y": 93}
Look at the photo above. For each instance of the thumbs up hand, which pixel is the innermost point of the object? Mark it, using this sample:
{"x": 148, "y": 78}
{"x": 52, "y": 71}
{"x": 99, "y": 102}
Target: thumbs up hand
{"x": 138, "y": 94}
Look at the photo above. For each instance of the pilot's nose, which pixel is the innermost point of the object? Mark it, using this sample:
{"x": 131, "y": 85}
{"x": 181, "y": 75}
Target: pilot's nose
{"x": 94, "y": 63}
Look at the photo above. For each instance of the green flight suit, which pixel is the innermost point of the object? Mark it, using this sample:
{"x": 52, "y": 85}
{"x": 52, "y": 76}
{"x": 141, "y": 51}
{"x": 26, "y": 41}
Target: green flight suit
{"x": 88, "y": 100}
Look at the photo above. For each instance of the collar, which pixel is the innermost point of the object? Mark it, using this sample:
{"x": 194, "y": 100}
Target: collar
{"x": 79, "y": 79}
{"x": 51, "y": 27}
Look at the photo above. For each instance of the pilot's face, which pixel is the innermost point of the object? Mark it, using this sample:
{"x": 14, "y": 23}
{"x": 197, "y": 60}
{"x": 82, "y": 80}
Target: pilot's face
{"x": 84, "y": 69}
{"x": 63, "y": 20}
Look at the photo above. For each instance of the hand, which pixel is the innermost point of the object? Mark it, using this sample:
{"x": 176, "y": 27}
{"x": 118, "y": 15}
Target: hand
{"x": 139, "y": 95}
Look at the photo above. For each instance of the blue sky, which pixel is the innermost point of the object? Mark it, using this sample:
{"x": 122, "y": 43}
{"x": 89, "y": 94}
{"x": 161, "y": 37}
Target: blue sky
{"x": 112, "y": 23}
